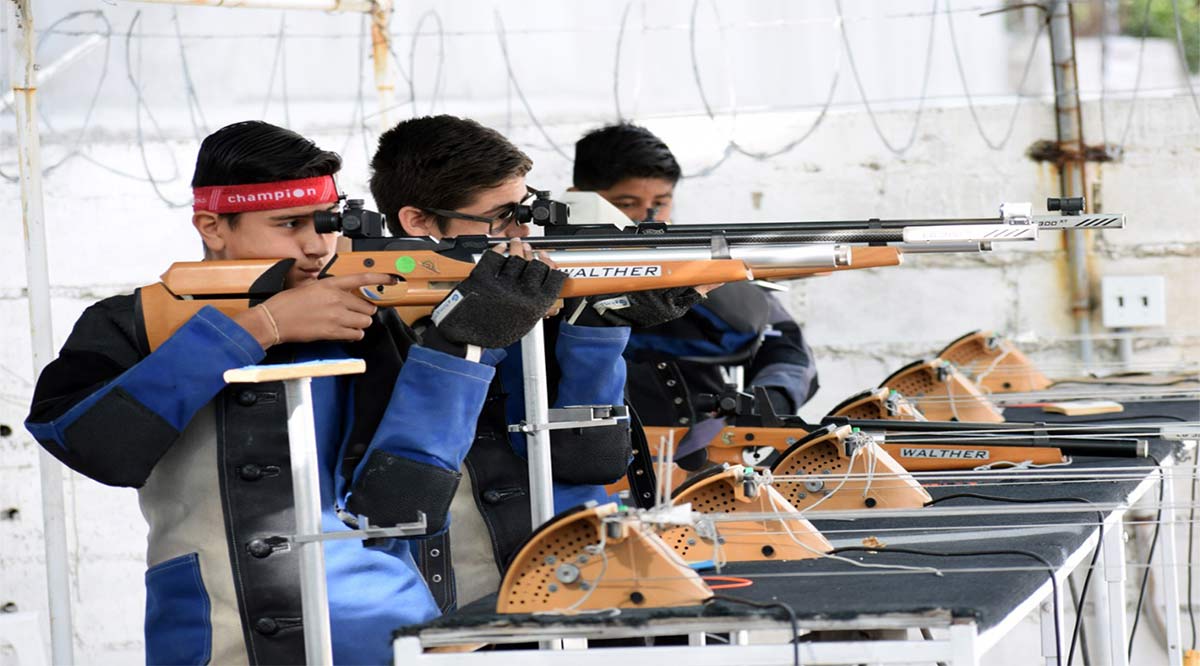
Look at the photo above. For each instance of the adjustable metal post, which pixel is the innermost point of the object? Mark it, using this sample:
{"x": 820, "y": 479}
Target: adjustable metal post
{"x": 537, "y": 413}
{"x": 306, "y": 491}
{"x": 540, "y": 420}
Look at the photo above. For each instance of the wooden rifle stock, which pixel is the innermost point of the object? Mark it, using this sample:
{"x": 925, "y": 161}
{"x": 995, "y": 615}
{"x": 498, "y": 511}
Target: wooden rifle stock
{"x": 427, "y": 277}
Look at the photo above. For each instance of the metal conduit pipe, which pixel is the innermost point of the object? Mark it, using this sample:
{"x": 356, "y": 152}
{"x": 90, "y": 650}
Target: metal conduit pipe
{"x": 1072, "y": 172}
{"x": 18, "y": 20}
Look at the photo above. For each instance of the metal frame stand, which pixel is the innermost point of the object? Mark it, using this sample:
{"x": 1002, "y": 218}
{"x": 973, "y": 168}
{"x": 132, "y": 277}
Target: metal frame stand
{"x": 537, "y": 417}
{"x": 306, "y": 491}
{"x": 957, "y": 649}
{"x": 1112, "y": 563}
{"x": 1170, "y": 574}
{"x": 540, "y": 420}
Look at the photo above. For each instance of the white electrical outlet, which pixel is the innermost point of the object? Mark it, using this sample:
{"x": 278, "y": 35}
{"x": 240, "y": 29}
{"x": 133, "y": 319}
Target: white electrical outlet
{"x": 1129, "y": 301}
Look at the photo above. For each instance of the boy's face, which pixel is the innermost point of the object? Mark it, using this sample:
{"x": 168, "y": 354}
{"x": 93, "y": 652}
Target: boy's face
{"x": 490, "y": 203}
{"x": 634, "y": 195}
{"x": 287, "y": 233}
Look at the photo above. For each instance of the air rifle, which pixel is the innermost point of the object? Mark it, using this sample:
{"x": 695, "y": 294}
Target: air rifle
{"x": 751, "y": 433}
{"x": 605, "y": 260}
{"x": 1015, "y": 222}
{"x": 885, "y": 240}
{"x": 429, "y": 269}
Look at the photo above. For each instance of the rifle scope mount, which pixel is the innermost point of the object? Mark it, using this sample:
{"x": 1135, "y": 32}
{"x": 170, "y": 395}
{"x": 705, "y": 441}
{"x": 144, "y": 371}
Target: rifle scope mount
{"x": 354, "y": 221}
{"x": 1065, "y": 205}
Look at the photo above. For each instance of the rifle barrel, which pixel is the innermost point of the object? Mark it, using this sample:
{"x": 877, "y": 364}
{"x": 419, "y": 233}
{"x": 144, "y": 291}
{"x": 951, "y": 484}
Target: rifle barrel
{"x": 1049, "y": 222}
{"x": 968, "y": 428}
{"x": 732, "y": 235}
{"x": 792, "y": 256}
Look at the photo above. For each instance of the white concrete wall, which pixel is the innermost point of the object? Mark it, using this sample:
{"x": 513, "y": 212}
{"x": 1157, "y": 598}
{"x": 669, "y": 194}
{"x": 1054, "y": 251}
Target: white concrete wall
{"x": 109, "y": 233}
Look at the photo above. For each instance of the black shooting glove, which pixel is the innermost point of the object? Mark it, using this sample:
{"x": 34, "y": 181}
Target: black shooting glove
{"x": 499, "y": 302}
{"x": 637, "y": 309}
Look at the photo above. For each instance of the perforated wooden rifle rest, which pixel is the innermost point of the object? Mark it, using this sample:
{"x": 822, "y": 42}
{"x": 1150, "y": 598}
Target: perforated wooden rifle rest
{"x": 932, "y": 384}
{"x": 994, "y": 363}
{"x": 742, "y": 541}
{"x": 639, "y": 569}
{"x": 823, "y": 455}
{"x": 878, "y": 404}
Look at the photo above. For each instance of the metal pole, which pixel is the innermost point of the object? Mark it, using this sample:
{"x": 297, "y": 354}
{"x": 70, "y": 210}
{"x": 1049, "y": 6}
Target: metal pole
{"x": 1125, "y": 346}
{"x": 1113, "y": 565}
{"x": 1072, "y": 176}
{"x": 22, "y": 74}
{"x": 1169, "y": 570}
{"x": 306, "y": 490}
{"x": 385, "y": 85}
{"x": 537, "y": 415}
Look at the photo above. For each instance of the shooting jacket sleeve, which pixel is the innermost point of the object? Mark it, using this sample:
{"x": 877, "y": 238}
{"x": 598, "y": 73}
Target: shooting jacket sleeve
{"x": 592, "y": 373}
{"x": 784, "y": 362}
{"x": 413, "y": 459}
{"x": 109, "y": 411}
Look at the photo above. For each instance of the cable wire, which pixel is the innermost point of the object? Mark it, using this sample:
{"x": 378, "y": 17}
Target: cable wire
{"x": 912, "y": 136}
{"x": 1137, "y": 613}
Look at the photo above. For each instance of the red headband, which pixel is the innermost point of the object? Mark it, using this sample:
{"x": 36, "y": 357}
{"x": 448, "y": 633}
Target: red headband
{"x": 223, "y": 199}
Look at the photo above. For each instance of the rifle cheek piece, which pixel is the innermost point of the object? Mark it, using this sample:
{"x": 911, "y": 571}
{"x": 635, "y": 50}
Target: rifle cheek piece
{"x": 590, "y": 456}
{"x": 392, "y": 490}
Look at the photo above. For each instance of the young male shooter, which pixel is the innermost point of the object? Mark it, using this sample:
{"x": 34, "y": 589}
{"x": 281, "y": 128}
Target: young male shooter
{"x": 445, "y": 177}
{"x": 210, "y": 461}
{"x": 673, "y": 362}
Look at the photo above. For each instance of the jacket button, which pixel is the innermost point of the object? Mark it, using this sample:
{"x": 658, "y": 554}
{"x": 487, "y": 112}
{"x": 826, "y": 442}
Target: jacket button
{"x": 247, "y": 398}
{"x": 259, "y": 548}
{"x": 250, "y": 472}
{"x": 491, "y": 496}
{"x": 266, "y": 626}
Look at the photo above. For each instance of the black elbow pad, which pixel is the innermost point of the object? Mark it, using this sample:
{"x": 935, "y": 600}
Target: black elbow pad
{"x": 392, "y": 489}
{"x": 117, "y": 442}
{"x": 590, "y": 456}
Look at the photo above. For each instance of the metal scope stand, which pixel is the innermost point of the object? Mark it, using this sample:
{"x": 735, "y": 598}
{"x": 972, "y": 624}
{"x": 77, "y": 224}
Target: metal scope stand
{"x": 540, "y": 420}
{"x": 306, "y": 492}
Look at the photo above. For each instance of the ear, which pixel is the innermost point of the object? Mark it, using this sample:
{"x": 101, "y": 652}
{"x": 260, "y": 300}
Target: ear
{"x": 212, "y": 230}
{"x": 416, "y": 222}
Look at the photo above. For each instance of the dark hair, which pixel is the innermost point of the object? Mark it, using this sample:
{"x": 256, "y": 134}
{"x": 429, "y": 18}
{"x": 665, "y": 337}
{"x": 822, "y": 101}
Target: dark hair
{"x": 606, "y": 156}
{"x": 440, "y": 162}
{"x": 252, "y": 152}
